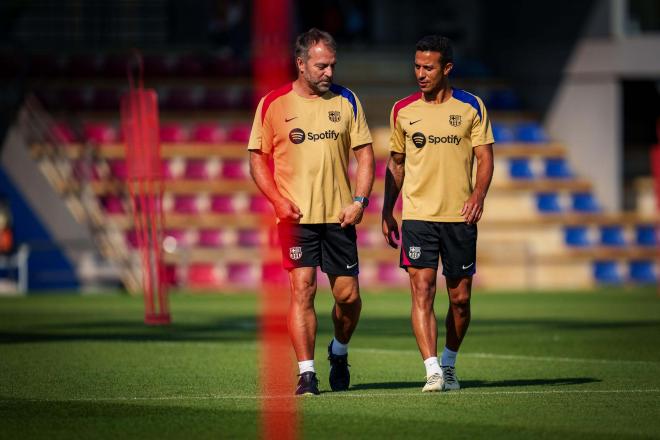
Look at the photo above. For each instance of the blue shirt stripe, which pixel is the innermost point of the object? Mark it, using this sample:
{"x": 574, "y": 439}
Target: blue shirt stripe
{"x": 343, "y": 91}
{"x": 467, "y": 98}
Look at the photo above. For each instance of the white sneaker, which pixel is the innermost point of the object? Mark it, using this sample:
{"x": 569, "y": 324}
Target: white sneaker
{"x": 449, "y": 379}
{"x": 433, "y": 383}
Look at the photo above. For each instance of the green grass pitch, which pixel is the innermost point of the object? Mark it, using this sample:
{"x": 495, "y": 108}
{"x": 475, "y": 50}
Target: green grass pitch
{"x": 551, "y": 365}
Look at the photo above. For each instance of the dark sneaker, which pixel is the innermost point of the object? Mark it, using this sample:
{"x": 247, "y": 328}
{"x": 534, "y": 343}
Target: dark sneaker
{"x": 308, "y": 384}
{"x": 340, "y": 377}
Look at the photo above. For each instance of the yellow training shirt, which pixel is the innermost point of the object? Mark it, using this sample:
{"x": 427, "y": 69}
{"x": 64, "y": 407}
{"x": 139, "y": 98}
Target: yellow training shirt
{"x": 310, "y": 140}
{"x": 438, "y": 141}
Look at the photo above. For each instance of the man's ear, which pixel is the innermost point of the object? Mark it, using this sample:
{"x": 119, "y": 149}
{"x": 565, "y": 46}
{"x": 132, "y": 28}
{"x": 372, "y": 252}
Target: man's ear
{"x": 448, "y": 68}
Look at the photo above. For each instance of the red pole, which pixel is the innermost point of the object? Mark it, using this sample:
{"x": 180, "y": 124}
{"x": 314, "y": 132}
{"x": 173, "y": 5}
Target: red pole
{"x": 140, "y": 124}
{"x": 271, "y": 66}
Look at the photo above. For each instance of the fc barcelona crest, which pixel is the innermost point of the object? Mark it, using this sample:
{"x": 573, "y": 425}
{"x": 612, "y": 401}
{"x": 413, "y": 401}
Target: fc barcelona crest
{"x": 415, "y": 252}
{"x": 295, "y": 252}
{"x": 334, "y": 116}
{"x": 455, "y": 120}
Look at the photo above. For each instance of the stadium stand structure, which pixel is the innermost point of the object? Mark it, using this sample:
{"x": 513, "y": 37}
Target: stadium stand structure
{"x": 542, "y": 226}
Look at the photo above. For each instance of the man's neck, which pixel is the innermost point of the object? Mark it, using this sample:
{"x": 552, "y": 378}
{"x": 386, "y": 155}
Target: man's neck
{"x": 439, "y": 96}
{"x": 303, "y": 89}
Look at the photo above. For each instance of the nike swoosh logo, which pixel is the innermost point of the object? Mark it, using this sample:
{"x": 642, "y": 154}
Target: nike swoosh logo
{"x": 468, "y": 266}
{"x": 351, "y": 266}
{"x": 414, "y": 122}
{"x": 290, "y": 119}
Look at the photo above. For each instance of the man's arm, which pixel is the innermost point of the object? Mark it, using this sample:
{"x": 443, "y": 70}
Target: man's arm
{"x": 285, "y": 209}
{"x": 393, "y": 182}
{"x": 352, "y": 214}
{"x": 474, "y": 206}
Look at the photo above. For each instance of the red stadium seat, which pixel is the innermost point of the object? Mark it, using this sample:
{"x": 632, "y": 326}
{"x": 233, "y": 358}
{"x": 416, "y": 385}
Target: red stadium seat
{"x": 222, "y": 204}
{"x": 62, "y": 133}
{"x": 113, "y": 205}
{"x": 249, "y": 237}
{"x": 100, "y": 133}
{"x": 389, "y": 273}
{"x": 260, "y": 204}
{"x": 118, "y": 169}
{"x": 132, "y": 239}
{"x": 244, "y": 274}
{"x": 381, "y": 168}
{"x": 240, "y": 132}
{"x": 375, "y": 204}
{"x": 212, "y": 238}
{"x": 235, "y": 169}
{"x": 196, "y": 169}
{"x": 206, "y": 275}
{"x": 186, "y": 204}
{"x": 173, "y": 132}
{"x": 210, "y": 133}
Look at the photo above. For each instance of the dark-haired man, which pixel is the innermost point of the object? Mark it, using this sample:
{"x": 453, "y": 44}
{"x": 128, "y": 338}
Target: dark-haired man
{"x": 309, "y": 127}
{"x": 436, "y": 134}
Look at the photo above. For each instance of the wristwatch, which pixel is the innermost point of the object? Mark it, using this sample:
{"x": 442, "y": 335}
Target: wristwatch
{"x": 363, "y": 200}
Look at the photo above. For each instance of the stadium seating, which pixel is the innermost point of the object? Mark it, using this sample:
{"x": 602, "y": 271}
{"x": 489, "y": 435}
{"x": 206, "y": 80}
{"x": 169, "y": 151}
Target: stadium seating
{"x": 612, "y": 235}
{"x": 608, "y": 272}
{"x": 643, "y": 272}
{"x": 646, "y": 235}
{"x": 539, "y": 213}
{"x": 211, "y": 133}
{"x": 558, "y": 168}
{"x": 577, "y": 236}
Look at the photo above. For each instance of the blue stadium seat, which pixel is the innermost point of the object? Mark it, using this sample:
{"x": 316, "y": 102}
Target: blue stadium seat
{"x": 503, "y": 133}
{"x": 577, "y": 236}
{"x": 607, "y": 272}
{"x": 548, "y": 203}
{"x": 558, "y": 168}
{"x": 612, "y": 235}
{"x": 530, "y": 132}
{"x": 503, "y": 99}
{"x": 643, "y": 271}
{"x": 520, "y": 168}
{"x": 585, "y": 202}
{"x": 645, "y": 235}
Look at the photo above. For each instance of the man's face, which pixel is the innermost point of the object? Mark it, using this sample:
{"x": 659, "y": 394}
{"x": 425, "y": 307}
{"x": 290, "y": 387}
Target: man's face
{"x": 429, "y": 71}
{"x": 319, "y": 67}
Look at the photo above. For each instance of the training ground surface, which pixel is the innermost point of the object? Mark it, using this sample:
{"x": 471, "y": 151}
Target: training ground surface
{"x": 578, "y": 365}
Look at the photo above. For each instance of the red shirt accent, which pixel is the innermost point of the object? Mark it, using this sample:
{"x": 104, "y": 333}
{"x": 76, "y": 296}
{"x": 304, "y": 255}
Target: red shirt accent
{"x": 404, "y": 102}
{"x": 272, "y": 96}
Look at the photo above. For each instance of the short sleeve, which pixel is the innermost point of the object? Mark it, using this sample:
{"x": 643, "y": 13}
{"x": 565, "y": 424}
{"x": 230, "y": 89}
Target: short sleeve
{"x": 482, "y": 132}
{"x": 360, "y": 134}
{"x": 258, "y": 140}
{"x": 397, "y": 137}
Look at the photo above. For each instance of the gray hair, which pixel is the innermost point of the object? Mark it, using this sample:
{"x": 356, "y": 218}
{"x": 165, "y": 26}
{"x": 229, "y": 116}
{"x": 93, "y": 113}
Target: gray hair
{"x": 310, "y": 38}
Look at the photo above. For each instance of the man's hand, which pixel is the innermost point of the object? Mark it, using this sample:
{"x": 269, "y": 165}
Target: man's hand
{"x": 391, "y": 230}
{"x": 287, "y": 211}
{"x": 473, "y": 208}
{"x": 351, "y": 214}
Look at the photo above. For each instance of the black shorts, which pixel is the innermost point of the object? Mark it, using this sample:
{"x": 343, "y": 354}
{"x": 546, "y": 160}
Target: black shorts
{"x": 327, "y": 245}
{"x": 456, "y": 243}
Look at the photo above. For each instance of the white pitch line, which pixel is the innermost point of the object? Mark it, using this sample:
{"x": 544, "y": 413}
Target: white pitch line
{"x": 514, "y": 357}
{"x": 343, "y": 395}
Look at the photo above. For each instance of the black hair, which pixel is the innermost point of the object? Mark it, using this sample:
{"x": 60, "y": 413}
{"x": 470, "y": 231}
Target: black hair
{"x": 308, "y": 39}
{"x": 437, "y": 43}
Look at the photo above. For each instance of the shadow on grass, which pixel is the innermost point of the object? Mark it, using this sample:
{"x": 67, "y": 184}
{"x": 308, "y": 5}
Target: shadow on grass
{"x": 567, "y": 381}
{"x": 108, "y": 419}
{"x": 242, "y": 328}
